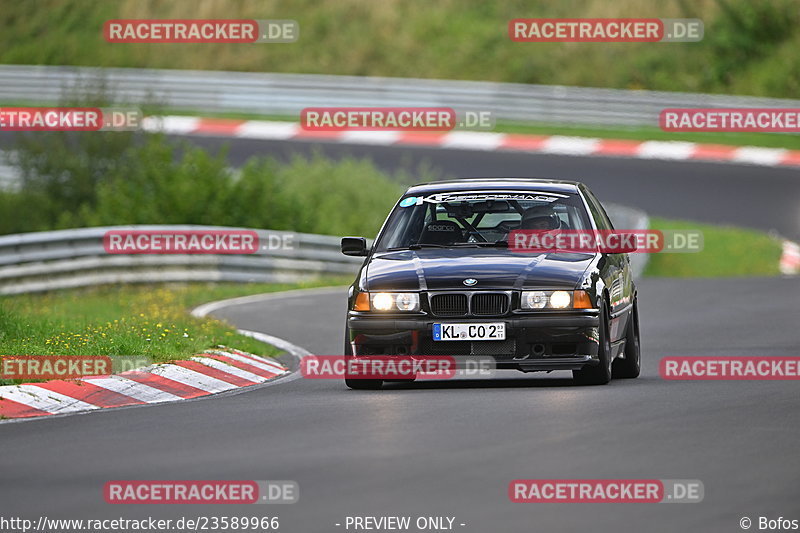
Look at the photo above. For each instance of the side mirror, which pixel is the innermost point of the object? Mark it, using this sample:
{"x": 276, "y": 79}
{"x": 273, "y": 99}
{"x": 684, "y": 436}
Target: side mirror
{"x": 356, "y": 246}
{"x": 627, "y": 244}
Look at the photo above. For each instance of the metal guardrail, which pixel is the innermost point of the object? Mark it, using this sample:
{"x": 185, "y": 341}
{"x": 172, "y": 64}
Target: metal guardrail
{"x": 288, "y": 94}
{"x": 49, "y": 260}
{"x": 42, "y": 261}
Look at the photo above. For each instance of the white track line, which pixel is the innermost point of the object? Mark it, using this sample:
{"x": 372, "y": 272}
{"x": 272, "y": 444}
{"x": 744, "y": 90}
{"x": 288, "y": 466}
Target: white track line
{"x": 202, "y": 310}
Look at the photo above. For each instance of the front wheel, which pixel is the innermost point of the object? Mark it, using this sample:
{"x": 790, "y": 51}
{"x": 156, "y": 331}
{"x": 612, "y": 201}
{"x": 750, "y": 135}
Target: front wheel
{"x": 630, "y": 366}
{"x": 363, "y": 384}
{"x": 355, "y": 383}
{"x": 599, "y": 374}
{"x": 360, "y": 384}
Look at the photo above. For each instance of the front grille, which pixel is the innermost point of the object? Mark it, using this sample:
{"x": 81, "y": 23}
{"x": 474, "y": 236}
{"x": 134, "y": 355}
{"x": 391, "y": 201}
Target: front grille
{"x": 489, "y": 303}
{"x": 496, "y": 348}
{"x": 432, "y": 347}
{"x": 476, "y": 304}
{"x": 449, "y": 304}
{"x": 506, "y": 347}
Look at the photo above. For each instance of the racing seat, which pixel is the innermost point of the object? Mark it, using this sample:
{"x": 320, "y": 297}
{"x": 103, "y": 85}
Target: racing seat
{"x": 442, "y": 232}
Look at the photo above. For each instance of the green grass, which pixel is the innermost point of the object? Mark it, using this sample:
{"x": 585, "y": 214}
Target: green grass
{"x": 727, "y": 252}
{"x": 749, "y": 46}
{"x": 150, "y": 322}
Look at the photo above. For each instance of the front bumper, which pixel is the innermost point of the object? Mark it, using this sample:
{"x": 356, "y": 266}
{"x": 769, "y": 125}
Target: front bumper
{"x": 533, "y": 343}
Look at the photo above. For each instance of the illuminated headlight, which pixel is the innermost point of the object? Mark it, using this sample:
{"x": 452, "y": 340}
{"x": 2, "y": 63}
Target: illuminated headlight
{"x": 560, "y": 299}
{"x": 556, "y": 300}
{"x": 395, "y": 301}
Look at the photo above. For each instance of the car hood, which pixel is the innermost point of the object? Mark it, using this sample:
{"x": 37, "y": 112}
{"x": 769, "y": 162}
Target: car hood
{"x": 493, "y": 268}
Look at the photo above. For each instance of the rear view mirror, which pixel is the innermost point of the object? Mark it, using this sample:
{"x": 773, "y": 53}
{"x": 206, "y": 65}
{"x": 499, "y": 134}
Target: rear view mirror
{"x": 355, "y": 246}
{"x": 491, "y": 206}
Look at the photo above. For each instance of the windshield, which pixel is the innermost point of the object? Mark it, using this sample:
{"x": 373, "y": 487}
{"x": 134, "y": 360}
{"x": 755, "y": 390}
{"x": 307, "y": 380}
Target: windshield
{"x": 478, "y": 219}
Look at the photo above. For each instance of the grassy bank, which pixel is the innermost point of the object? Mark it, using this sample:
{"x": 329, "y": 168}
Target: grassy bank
{"x": 142, "y": 321}
{"x": 749, "y": 46}
{"x": 727, "y": 252}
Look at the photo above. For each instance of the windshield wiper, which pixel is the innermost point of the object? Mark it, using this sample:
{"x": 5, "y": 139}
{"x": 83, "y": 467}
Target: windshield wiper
{"x": 415, "y": 247}
{"x": 419, "y": 246}
{"x": 488, "y": 244}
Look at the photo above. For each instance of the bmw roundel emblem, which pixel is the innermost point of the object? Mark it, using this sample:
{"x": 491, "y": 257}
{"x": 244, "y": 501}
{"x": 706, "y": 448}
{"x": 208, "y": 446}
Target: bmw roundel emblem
{"x": 469, "y": 282}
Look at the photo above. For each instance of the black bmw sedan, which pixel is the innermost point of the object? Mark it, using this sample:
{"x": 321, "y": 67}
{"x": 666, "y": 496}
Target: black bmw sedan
{"x": 442, "y": 279}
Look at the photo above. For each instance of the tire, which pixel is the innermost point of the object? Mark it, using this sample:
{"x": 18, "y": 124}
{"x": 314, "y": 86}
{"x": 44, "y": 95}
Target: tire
{"x": 630, "y": 366}
{"x": 354, "y": 383}
{"x": 363, "y": 384}
{"x": 599, "y": 374}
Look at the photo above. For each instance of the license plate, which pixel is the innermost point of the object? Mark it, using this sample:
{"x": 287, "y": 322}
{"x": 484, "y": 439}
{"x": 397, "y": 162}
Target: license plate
{"x": 493, "y": 331}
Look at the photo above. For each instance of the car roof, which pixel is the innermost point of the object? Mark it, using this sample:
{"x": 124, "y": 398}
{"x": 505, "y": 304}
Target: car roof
{"x": 477, "y": 184}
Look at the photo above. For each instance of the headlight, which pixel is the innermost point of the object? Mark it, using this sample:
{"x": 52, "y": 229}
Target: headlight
{"x": 534, "y": 300}
{"x": 560, "y": 299}
{"x": 394, "y": 301}
{"x": 383, "y": 301}
{"x": 406, "y": 301}
{"x": 556, "y": 300}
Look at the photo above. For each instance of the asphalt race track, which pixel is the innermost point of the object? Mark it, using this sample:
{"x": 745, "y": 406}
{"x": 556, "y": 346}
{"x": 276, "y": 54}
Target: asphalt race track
{"x": 705, "y": 192}
{"x": 451, "y": 448}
